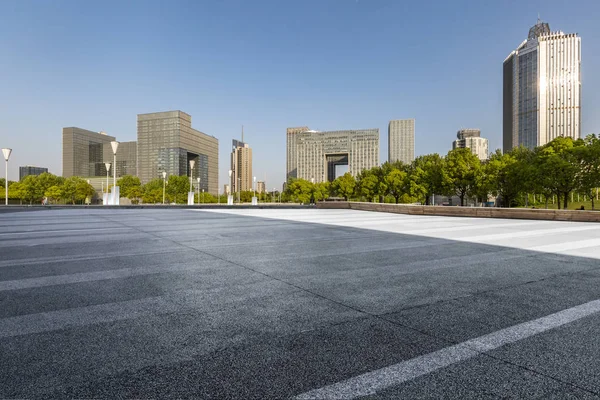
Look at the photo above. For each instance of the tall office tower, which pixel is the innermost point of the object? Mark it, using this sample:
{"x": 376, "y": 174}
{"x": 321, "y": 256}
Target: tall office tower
{"x": 241, "y": 166}
{"x": 542, "y": 89}
{"x": 261, "y": 187}
{"x": 291, "y": 134}
{"x": 83, "y": 152}
{"x": 167, "y": 142}
{"x": 471, "y": 139}
{"x": 401, "y": 140}
{"x": 30, "y": 170}
{"x": 323, "y": 156}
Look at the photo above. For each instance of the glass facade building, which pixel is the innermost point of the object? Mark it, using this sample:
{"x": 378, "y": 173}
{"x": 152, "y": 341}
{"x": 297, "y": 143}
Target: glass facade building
{"x": 323, "y": 156}
{"x": 30, "y": 170}
{"x": 167, "y": 142}
{"x": 542, "y": 89}
{"x": 401, "y": 140}
{"x": 84, "y": 152}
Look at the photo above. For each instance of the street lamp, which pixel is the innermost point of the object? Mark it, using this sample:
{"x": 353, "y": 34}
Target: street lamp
{"x": 115, "y": 145}
{"x": 164, "y": 174}
{"x": 254, "y": 187}
{"x": 198, "y": 179}
{"x": 192, "y": 162}
{"x": 6, "y": 153}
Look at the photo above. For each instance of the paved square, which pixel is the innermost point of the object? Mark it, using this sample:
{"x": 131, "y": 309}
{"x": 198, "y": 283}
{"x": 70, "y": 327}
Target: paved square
{"x": 300, "y": 303}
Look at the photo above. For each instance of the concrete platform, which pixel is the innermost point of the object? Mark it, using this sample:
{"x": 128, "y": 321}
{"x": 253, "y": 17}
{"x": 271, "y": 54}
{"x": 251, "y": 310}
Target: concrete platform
{"x": 296, "y": 303}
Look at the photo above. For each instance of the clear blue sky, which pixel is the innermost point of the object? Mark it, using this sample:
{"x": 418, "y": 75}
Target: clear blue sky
{"x": 268, "y": 65}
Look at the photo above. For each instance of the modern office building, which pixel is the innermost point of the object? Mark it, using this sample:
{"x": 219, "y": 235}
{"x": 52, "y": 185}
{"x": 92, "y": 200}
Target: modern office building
{"x": 291, "y": 134}
{"x": 323, "y": 156}
{"x": 241, "y": 166}
{"x": 167, "y": 142}
{"x": 261, "y": 187}
{"x": 542, "y": 89}
{"x": 30, "y": 170}
{"x": 471, "y": 139}
{"x": 83, "y": 152}
{"x": 86, "y": 152}
{"x": 401, "y": 140}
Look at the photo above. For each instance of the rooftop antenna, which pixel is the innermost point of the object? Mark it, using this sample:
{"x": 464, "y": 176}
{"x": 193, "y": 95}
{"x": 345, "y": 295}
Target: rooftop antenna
{"x": 539, "y": 20}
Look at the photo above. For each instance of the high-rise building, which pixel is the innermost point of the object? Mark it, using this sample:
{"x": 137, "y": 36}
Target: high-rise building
{"x": 323, "y": 156}
{"x": 401, "y": 140}
{"x": 241, "y": 166}
{"x": 542, "y": 89}
{"x": 291, "y": 134}
{"x": 167, "y": 142}
{"x": 83, "y": 152}
{"x": 261, "y": 187}
{"x": 226, "y": 189}
{"x": 30, "y": 170}
{"x": 471, "y": 139}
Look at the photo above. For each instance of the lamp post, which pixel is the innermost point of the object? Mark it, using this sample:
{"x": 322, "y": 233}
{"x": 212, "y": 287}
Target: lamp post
{"x": 164, "y": 174}
{"x": 115, "y": 145}
{"x": 6, "y": 153}
{"x": 254, "y": 187}
{"x": 202, "y": 196}
{"x": 198, "y": 179}
{"x": 192, "y": 162}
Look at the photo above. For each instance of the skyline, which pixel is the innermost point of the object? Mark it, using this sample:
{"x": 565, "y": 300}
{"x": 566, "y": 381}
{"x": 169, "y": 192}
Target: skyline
{"x": 320, "y": 72}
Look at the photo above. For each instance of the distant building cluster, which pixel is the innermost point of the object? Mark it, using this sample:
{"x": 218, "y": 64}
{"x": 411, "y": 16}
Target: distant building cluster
{"x": 166, "y": 143}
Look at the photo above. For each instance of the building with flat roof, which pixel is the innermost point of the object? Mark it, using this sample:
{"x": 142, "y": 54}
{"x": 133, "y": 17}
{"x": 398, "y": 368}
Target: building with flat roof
{"x": 241, "y": 166}
{"x": 401, "y": 140}
{"x": 323, "y": 156}
{"x": 27, "y": 170}
{"x": 471, "y": 139}
{"x": 261, "y": 187}
{"x": 542, "y": 89}
{"x": 167, "y": 142}
{"x": 83, "y": 152}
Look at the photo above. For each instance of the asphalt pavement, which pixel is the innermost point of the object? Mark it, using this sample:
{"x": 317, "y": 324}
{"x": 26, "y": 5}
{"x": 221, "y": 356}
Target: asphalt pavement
{"x": 304, "y": 303}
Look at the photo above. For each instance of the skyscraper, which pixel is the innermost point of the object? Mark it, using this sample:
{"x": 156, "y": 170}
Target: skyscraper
{"x": 401, "y": 140}
{"x": 542, "y": 89}
{"x": 167, "y": 142}
{"x": 471, "y": 139}
{"x": 241, "y": 166}
{"x": 291, "y": 135}
{"x": 30, "y": 170}
{"x": 323, "y": 156}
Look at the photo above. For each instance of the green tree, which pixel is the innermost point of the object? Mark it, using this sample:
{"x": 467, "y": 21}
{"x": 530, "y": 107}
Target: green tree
{"x": 367, "y": 183}
{"x": 433, "y": 178}
{"x": 588, "y": 158}
{"x": 177, "y": 189}
{"x": 344, "y": 186}
{"x": 152, "y": 192}
{"x": 395, "y": 181}
{"x": 298, "y": 190}
{"x": 54, "y": 193}
{"x": 321, "y": 191}
{"x": 130, "y": 187}
{"x": 462, "y": 168}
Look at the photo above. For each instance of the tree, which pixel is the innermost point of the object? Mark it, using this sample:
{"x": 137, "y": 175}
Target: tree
{"x": 367, "y": 183}
{"x": 152, "y": 192}
{"x": 177, "y": 189}
{"x": 433, "y": 178}
{"x": 130, "y": 187}
{"x": 298, "y": 190}
{"x": 344, "y": 185}
{"x": 54, "y": 193}
{"x": 588, "y": 158}
{"x": 462, "y": 167}
{"x": 558, "y": 167}
{"x": 395, "y": 181}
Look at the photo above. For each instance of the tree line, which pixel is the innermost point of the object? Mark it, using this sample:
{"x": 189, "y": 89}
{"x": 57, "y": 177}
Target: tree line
{"x": 521, "y": 177}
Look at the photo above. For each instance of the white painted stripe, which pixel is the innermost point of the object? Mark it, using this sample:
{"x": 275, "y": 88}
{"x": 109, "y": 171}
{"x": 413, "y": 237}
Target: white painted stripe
{"x": 374, "y": 381}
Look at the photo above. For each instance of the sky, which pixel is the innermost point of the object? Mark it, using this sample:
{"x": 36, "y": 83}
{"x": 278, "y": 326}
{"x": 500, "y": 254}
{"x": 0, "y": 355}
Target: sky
{"x": 269, "y": 65}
